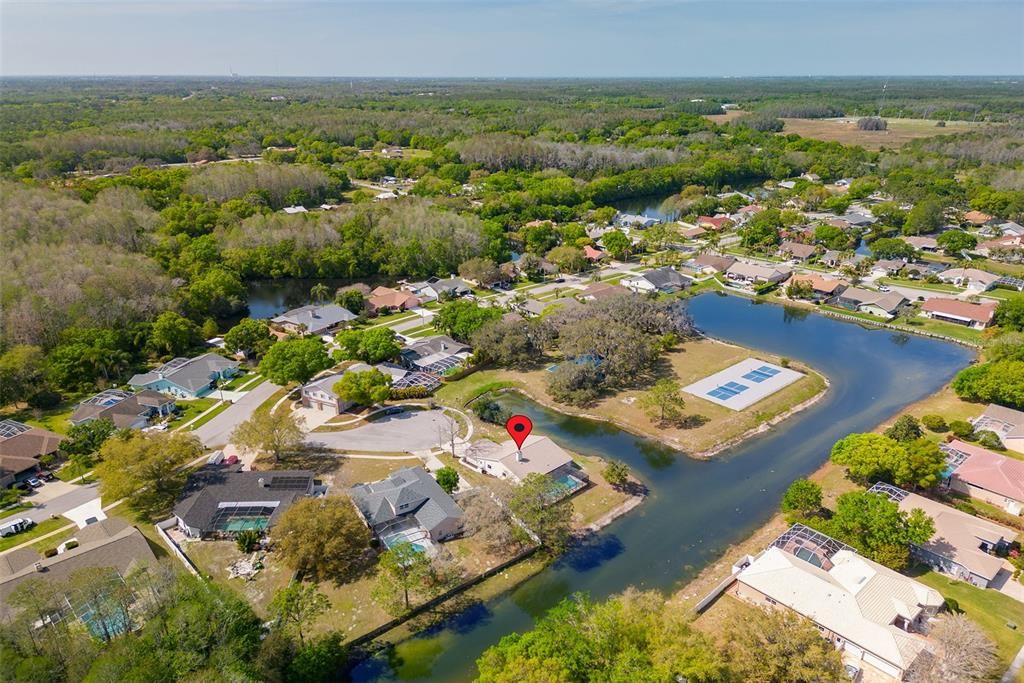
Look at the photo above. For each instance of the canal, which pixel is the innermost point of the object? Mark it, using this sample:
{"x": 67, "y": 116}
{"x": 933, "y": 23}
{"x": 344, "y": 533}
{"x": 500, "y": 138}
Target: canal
{"x": 696, "y": 508}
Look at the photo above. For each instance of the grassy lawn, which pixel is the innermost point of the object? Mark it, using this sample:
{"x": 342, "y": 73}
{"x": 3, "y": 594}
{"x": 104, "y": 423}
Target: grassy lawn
{"x": 16, "y": 510}
{"x": 244, "y": 375}
{"x": 990, "y": 609}
{"x": 213, "y": 558}
{"x": 224, "y": 405}
{"x": 597, "y": 500}
{"x": 69, "y": 472}
{"x": 898, "y": 131}
{"x": 54, "y": 419}
{"x": 917, "y": 284}
{"x": 945, "y": 329}
{"x": 41, "y": 529}
{"x": 190, "y": 409}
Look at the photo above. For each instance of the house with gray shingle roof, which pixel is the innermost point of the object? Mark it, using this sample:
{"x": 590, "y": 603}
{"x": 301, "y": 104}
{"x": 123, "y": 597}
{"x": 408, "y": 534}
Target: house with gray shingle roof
{"x": 124, "y": 409}
{"x": 408, "y": 503}
{"x": 187, "y": 378}
{"x": 666, "y": 280}
{"x": 314, "y": 319}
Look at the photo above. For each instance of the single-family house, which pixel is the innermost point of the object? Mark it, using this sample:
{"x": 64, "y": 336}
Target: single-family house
{"x": 665, "y": 280}
{"x": 822, "y": 288}
{"x": 1010, "y": 228}
{"x": 386, "y": 299}
{"x": 692, "y": 233}
{"x": 888, "y": 267}
{"x": 385, "y": 196}
{"x": 1002, "y": 247}
{"x": 295, "y": 209}
{"x": 539, "y": 455}
{"x": 797, "y": 251}
{"x": 832, "y": 258}
{"x": 745, "y": 274}
{"x": 976, "y": 316}
{"x": 438, "y": 355}
{"x": 408, "y": 506}
{"x": 871, "y": 613}
{"x": 631, "y": 220}
{"x": 963, "y": 546}
{"x": 600, "y": 290}
{"x": 593, "y": 255}
{"x": 977, "y": 217}
{"x": 109, "y": 543}
{"x": 712, "y": 263}
{"x": 220, "y": 500}
{"x": 982, "y": 474}
{"x": 786, "y": 184}
{"x": 318, "y": 394}
{"x": 859, "y": 220}
{"x": 124, "y": 409}
{"x": 922, "y": 242}
{"x": 882, "y": 304}
{"x": 21, "y": 446}
{"x": 713, "y": 222}
{"x": 1007, "y": 423}
{"x": 811, "y": 177}
{"x": 534, "y": 307}
{"x": 187, "y": 378}
{"x": 436, "y": 288}
{"x": 315, "y": 319}
{"x": 971, "y": 278}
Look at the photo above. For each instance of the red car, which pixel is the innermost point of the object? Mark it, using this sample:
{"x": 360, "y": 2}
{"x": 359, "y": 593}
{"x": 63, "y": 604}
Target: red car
{"x": 231, "y": 460}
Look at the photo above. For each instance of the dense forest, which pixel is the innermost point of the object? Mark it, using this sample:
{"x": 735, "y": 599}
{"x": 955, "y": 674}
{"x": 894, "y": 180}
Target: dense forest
{"x": 135, "y": 211}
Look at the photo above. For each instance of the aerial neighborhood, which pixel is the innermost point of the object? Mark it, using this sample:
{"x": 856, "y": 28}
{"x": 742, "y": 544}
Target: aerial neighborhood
{"x": 407, "y": 368}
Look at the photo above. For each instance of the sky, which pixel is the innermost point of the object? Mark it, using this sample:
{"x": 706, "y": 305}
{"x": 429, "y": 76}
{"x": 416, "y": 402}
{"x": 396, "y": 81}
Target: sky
{"x": 512, "y": 38}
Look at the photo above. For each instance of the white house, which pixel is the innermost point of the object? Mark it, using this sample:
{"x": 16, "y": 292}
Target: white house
{"x": 539, "y": 455}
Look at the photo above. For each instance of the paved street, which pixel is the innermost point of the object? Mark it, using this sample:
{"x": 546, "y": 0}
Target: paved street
{"x": 217, "y": 431}
{"x": 57, "y": 497}
{"x": 404, "y": 432}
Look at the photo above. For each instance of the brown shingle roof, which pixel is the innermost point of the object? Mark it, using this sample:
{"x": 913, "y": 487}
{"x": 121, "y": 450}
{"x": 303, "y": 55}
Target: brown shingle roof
{"x": 31, "y": 444}
{"x": 981, "y": 313}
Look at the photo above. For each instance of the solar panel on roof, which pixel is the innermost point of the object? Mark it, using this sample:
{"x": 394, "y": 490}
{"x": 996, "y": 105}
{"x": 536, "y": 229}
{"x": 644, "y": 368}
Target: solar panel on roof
{"x": 284, "y": 482}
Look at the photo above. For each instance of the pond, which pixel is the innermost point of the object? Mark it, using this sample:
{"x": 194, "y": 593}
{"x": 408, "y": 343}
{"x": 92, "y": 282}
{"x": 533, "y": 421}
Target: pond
{"x": 268, "y": 298}
{"x": 696, "y": 509}
{"x": 649, "y": 206}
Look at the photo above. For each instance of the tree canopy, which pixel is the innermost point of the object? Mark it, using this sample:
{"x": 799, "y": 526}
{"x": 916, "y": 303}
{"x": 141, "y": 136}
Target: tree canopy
{"x": 146, "y": 469}
{"x": 322, "y": 537}
{"x": 295, "y": 360}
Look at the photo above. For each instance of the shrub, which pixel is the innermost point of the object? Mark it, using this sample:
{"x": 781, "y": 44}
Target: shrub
{"x": 961, "y": 429}
{"x": 44, "y": 399}
{"x": 409, "y": 392}
{"x": 488, "y": 410}
{"x": 906, "y": 428}
{"x": 935, "y": 423}
{"x": 247, "y": 540}
{"x": 989, "y": 439}
{"x": 872, "y": 123}
{"x": 784, "y": 362}
{"x": 71, "y": 545}
{"x": 50, "y": 552}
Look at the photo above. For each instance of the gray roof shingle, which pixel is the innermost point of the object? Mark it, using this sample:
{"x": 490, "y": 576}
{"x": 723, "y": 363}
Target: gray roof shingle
{"x": 408, "y": 492}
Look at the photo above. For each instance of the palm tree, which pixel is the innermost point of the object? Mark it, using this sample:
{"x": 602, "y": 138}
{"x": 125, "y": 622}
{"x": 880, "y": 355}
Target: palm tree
{"x": 319, "y": 292}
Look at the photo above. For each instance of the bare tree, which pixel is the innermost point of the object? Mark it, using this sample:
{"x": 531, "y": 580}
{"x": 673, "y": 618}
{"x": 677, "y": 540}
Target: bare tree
{"x": 963, "y": 653}
{"x": 447, "y": 432}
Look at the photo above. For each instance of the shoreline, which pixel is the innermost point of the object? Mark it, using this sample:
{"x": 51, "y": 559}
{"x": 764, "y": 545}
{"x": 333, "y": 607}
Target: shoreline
{"x": 706, "y": 454}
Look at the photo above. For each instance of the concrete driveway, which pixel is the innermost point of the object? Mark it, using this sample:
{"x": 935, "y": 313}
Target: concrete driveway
{"x": 57, "y": 497}
{"x": 405, "y": 432}
{"x": 217, "y": 431}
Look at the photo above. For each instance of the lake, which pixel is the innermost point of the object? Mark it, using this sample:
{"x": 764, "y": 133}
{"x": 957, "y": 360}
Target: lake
{"x": 696, "y": 509}
{"x": 649, "y": 206}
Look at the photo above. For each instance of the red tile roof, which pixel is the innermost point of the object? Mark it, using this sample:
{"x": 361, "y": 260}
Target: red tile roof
{"x": 990, "y": 471}
{"x": 981, "y": 313}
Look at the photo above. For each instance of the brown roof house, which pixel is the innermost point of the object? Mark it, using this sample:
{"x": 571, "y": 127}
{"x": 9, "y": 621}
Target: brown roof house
{"x": 21, "y": 446}
{"x": 976, "y": 316}
{"x": 797, "y": 251}
{"x": 712, "y": 263}
{"x": 600, "y": 290}
{"x": 822, "y": 288}
{"x": 109, "y": 543}
{"x": 384, "y": 299}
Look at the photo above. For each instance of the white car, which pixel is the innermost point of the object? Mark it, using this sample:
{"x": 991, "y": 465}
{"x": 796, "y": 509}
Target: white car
{"x": 883, "y": 288}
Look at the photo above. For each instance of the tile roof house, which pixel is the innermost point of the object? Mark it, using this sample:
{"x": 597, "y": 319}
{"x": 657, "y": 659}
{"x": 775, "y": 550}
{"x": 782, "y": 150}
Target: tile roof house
{"x": 1007, "y": 423}
{"x": 977, "y": 217}
{"x": 985, "y": 475}
{"x": 976, "y": 316}
{"x": 187, "y": 378}
{"x": 713, "y": 222}
{"x": 665, "y": 280}
{"x": 798, "y": 251}
{"x": 821, "y": 287}
{"x": 692, "y": 233}
{"x": 539, "y": 455}
{"x": 1000, "y": 247}
{"x": 384, "y": 299}
{"x": 124, "y": 409}
{"x": 408, "y": 500}
{"x": 882, "y": 304}
{"x": 220, "y": 500}
{"x": 971, "y": 278}
{"x": 712, "y": 263}
{"x": 868, "y": 611}
{"x": 111, "y": 542}
{"x": 963, "y": 546}
{"x": 592, "y": 254}
{"x": 314, "y": 319}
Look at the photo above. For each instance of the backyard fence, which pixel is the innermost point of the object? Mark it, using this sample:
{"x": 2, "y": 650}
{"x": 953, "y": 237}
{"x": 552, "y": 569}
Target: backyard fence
{"x": 161, "y": 528}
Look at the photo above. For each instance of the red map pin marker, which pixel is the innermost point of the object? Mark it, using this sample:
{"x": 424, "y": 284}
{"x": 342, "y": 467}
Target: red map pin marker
{"x": 519, "y": 427}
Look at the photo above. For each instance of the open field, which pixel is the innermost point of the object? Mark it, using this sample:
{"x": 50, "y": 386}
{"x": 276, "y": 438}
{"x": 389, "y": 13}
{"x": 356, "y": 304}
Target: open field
{"x": 900, "y": 131}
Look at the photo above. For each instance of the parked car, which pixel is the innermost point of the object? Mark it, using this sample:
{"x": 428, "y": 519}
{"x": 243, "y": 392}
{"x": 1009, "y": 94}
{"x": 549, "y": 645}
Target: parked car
{"x": 852, "y": 672}
{"x": 15, "y": 526}
{"x": 34, "y": 482}
{"x": 47, "y": 475}
{"x": 883, "y": 288}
